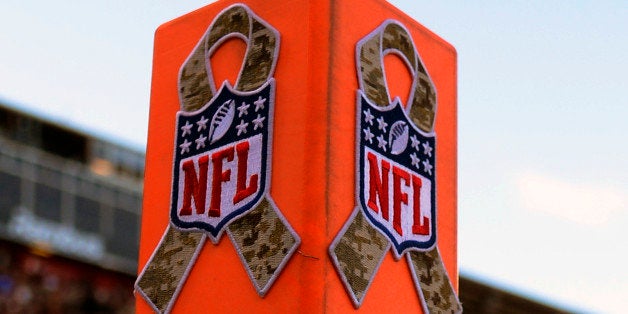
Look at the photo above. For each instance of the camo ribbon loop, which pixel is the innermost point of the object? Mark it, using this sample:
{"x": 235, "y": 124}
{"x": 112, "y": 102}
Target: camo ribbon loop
{"x": 263, "y": 238}
{"x": 196, "y": 86}
{"x": 394, "y": 38}
{"x": 359, "y": 248}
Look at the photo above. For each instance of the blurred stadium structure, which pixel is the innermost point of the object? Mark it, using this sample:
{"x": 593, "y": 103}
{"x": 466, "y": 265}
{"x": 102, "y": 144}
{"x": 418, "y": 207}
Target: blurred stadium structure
{"x": 69, "y": 219}
{"x": 70, "y": 209}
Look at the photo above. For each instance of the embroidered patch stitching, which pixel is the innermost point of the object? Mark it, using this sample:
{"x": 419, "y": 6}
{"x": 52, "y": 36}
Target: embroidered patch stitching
{"x": 413, "y": 167}
{"x": 167, "y": 269}
{"x": 403, "y": 166}
{"x": 357, "y": 252}
{"x": 244, "y": 145}
{"x": 432, "y": 281}
{"x": 162, "y": 278}
{"x": 263, "y": 260}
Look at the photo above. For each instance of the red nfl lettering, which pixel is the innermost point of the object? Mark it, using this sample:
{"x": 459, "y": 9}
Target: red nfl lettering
{"x": 419, "y": 227}
{"x": 218, "y": 177}
{"x": 399, "y": 197}
{"x": 195, "y": 185}
{"x": 221, "y": 166}
{"x": 243, "y": 191}
{"x": 379, "y": 185}
{"x": 396, "y": 176}
{"x": 379, "y": 194}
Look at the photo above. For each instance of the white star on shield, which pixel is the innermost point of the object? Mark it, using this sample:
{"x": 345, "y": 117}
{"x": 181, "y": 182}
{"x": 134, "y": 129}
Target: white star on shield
{"x": 381, "y": 142}
{"x": 185, "y": 147}
{"x": 258, "y": 122}
{"x": 415, "y": 160}
{"x": 202, "y": 123}
{"x": 242, "y": 127}
{"x": 415, "y": 142}
{"x": 381, "y": 124}
{"x": 259, "y": 103}
{"x": 200, "y": 141}
{"x": 427, "y": 166}
{"x": 368, "y": 136}
{"x": 368, "y": 117}
{"x": 243, "y": 109}
{"x": 186, "y": 129}
{"x": 427, "y": 149}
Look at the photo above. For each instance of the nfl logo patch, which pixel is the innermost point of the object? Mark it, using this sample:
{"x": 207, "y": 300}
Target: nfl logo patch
{"x": 221, "y": 159}
{"x": 396, "y": 175}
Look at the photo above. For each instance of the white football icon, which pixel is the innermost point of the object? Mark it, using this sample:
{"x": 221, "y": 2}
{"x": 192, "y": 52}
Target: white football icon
{"x": 222, "y": 120}
{"x": 398, "y": 137}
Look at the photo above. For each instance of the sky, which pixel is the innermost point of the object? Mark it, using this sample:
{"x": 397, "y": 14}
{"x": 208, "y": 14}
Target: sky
{"x": 543, "y": 171}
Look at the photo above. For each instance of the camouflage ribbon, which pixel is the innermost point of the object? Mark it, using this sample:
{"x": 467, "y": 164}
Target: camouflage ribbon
{"x": 263, "y": 238}
{"x": 359, "y": 248}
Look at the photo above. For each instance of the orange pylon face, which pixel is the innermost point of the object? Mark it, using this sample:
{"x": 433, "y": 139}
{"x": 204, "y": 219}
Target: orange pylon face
{"x": 313, "y": 162}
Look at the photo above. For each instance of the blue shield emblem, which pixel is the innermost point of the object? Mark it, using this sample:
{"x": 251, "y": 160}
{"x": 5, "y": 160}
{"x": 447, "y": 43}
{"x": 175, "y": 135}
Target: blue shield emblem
{"x": 396, "y": 171}
{"x": 221, "y": 161}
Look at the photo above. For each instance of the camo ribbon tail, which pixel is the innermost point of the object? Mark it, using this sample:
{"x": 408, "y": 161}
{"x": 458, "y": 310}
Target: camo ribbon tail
{"x": 357, "y": 252}
{"x": 163, "y": 276}
{"x": 264, "y": 240}
{"x": 432, "y": 282}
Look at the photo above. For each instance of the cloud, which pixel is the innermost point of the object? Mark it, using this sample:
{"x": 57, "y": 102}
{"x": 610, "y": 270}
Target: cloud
{"x": 581, "y": 202}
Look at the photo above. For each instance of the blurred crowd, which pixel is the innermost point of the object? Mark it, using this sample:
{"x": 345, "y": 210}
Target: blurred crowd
{"x": 32, "y": 282}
